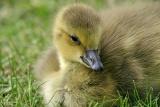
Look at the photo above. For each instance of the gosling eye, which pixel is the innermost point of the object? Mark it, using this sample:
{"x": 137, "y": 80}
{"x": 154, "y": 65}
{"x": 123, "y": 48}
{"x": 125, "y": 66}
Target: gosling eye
{"x": 75, "y": 39}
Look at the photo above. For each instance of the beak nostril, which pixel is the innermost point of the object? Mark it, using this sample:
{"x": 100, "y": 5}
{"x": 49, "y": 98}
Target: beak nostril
{"x": 92, "y": 60}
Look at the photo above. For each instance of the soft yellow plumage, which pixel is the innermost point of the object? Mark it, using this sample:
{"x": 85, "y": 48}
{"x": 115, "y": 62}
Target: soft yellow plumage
{"x": 98, "y": 53}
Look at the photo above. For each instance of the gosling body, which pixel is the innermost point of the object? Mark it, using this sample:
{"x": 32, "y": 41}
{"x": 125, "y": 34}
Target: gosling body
{"x": 128, "y": 43}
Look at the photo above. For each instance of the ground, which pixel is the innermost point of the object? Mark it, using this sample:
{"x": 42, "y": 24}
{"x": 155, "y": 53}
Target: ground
{"x": 25, "y": 31}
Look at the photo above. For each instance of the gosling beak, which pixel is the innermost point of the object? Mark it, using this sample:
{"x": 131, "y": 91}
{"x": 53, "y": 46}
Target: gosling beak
{"x": 92, "y": 59}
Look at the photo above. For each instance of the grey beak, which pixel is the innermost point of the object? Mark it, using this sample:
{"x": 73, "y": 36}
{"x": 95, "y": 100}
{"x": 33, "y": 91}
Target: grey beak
{"x": 92, "y": 59}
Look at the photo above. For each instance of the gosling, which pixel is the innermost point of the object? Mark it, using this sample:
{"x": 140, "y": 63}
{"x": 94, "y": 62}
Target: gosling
{"x": 97, "y": 53}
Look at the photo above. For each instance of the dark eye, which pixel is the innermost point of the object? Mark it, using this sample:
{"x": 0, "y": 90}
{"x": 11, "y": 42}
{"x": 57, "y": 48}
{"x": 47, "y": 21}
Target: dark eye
{"x": 75, "y": 39}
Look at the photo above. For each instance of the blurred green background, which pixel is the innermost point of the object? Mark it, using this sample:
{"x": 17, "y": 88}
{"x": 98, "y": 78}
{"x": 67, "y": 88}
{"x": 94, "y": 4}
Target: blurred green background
{"x": 25, "y": 31}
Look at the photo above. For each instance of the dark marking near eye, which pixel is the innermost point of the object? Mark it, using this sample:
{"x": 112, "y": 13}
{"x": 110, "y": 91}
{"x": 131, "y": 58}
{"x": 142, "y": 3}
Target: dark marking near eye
{"x": 75, "y": 39}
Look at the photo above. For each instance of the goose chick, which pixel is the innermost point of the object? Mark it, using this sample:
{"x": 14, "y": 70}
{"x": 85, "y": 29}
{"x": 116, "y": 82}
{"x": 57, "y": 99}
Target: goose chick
{"x": 68, "y": 71}
{"x": 96, "y": 55}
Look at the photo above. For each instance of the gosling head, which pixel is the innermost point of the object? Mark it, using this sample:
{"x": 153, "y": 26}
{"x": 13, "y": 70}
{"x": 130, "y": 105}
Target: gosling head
{"x": 77, "y": 32}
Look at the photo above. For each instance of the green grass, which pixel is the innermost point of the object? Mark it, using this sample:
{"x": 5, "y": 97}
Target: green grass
{"x": 25, "y": 30}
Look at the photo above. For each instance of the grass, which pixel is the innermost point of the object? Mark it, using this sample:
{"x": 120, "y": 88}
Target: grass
{"x": 25, "y": 30}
